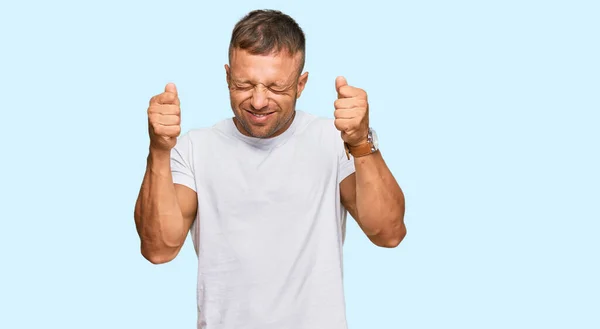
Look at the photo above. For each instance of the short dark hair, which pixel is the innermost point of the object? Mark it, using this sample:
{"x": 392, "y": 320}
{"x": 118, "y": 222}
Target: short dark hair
{"x": 267, "y": 31}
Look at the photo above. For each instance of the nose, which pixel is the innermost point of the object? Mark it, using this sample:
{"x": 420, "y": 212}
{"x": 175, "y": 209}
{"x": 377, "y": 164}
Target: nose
{"x": 259, "y": 98}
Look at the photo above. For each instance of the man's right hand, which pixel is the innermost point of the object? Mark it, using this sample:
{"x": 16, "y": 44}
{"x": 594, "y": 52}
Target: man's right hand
{"x": 164, "y": 118}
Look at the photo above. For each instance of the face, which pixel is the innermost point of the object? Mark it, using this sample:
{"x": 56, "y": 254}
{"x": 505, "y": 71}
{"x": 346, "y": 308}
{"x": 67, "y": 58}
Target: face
{"x": 263, "y": 90}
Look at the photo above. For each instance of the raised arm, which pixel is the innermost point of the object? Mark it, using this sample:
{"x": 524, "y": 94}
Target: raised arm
{"x": 372, "y": 194}
{"x": 164, "y": 212}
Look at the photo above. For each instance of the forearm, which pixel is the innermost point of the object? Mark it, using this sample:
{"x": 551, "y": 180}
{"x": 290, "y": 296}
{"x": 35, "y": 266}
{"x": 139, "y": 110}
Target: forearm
{"x": 158, "y": 217}
{"x": 379, "y": 201}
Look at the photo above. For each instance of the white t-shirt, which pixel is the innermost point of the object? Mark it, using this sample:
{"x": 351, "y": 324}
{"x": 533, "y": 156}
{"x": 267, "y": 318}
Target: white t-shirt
{"x": 270, "y": 226}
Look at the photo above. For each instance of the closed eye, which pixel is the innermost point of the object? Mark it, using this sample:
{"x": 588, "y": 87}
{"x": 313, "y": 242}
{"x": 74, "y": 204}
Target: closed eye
{"x": 242, "y": 87}
{"x": 278, "y": 90}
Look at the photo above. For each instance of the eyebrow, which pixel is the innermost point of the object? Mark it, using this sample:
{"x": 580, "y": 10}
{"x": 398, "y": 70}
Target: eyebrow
{"x": 277, "y": 84}
{"x": 239, "y": 81}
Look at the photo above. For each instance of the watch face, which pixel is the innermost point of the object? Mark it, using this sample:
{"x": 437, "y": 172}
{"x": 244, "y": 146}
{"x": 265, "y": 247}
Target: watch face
{"x": 374, "y": 140}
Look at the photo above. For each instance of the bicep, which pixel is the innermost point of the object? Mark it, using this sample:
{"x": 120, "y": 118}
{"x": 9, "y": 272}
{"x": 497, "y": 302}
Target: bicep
{"x": 188, "y": 203}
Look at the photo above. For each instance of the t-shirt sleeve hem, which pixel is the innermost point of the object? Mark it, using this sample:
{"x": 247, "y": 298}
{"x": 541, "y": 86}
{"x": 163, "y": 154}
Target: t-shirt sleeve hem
{"x": 346, "y": 169}
{"x": 184, "y": 180}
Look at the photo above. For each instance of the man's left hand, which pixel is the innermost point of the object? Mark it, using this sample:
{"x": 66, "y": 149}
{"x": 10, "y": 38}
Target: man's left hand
{"x": 351, "y": 112}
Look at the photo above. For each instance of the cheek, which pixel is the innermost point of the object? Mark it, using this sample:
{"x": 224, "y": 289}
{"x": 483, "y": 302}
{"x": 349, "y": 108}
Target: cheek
{"x": 285, "y": 102}
{"x": 238, "y": 100}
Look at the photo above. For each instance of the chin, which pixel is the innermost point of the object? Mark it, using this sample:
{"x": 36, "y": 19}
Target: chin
{"x": 261, "y": 134}
{"x": 257, "y": 131}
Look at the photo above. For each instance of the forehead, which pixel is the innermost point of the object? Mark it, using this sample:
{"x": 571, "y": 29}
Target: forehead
{"x": 276, "y": 67}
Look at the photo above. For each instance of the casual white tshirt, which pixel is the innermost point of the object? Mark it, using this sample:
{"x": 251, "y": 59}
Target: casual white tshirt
{"x": 270, "y": 225}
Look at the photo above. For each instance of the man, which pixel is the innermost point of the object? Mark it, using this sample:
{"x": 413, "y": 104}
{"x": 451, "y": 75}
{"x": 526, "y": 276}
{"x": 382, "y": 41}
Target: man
{"x": 265, "y": 194}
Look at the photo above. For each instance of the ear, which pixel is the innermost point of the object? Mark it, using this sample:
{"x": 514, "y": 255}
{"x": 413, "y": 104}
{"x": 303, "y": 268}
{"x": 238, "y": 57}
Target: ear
{"x": 227, "y": 77}
{"x": 302, "y": 83}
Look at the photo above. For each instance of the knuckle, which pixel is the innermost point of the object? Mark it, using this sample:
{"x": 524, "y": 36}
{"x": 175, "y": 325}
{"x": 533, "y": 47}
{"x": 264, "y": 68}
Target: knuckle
{"x": 156, "y": 128}
{"x": 176, "y": 131}
{"x": 337, "y": 124}
{"x": 174, "y": 109}
{"x": 160, "y": 99}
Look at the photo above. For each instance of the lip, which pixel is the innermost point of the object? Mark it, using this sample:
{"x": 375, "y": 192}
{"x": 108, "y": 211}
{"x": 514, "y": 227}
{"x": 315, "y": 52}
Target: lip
{"x": 258, "y": 119}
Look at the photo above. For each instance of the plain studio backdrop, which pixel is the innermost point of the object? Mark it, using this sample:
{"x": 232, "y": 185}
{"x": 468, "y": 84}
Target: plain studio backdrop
{"x": 487, "y": 112}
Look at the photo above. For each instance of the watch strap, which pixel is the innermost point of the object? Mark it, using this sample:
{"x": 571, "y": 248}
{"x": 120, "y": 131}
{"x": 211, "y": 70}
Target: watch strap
{"x": 358, "y": 151}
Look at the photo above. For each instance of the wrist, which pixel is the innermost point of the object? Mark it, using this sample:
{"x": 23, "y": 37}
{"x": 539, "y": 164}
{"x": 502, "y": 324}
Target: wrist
{"x": 369, "y": 146}
{"x": 158, "y": 153}
{"x": 159, "y": 159}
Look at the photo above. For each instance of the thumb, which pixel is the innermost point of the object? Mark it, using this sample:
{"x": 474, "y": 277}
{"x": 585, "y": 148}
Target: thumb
{"x": 170, "y": 87}
{"x": 339, "y": 83}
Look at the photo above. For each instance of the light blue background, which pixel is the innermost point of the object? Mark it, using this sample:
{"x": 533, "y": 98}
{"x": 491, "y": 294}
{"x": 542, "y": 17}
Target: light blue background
{"x": 487, "y": 112}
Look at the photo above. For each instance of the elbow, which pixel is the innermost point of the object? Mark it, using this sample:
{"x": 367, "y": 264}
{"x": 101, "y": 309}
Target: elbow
{"x": 391, "y": 240}
{"x": 158, "y": 257}
{"x": 396, "y": 231}
{"x": 394, "y": 242}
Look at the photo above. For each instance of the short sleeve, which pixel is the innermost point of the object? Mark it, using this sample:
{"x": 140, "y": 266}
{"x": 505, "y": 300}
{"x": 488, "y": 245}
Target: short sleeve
{"x": 182, "y": 168}
{"x": 345, "y": 165}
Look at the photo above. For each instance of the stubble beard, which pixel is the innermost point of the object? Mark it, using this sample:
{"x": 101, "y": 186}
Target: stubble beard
{"x": 279, "y": 125}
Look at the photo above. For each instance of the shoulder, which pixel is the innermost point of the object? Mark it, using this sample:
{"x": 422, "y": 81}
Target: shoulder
{"x": 321, "y": 126}
{"x": 320, "y": 133}
{"x": 199, "y": 136}
{"x": 322, "y": 130}
{"x": 312, "y": 122}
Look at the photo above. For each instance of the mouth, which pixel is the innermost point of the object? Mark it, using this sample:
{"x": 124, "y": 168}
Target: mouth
{"x": 260, "y": 115}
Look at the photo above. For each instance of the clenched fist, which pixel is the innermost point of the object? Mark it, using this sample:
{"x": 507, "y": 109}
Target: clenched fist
{"x": 351, "y": 113}
{"x": 164, "y": 119}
